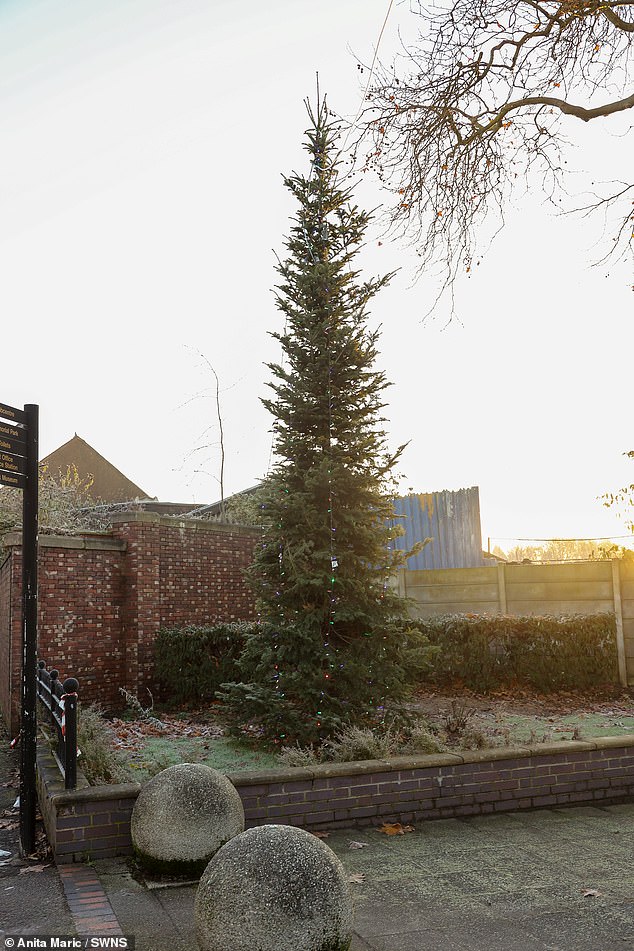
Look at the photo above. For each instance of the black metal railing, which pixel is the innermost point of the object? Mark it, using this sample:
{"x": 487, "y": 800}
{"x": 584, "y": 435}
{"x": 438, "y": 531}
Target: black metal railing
{"x": 60, "y": 701}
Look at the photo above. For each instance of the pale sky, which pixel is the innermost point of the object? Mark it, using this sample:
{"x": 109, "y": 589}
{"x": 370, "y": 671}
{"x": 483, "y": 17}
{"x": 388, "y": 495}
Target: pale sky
{"x": 141, "y": 201}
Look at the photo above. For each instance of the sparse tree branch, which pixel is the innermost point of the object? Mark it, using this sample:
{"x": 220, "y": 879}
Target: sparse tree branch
{"x": 221, "y": 479}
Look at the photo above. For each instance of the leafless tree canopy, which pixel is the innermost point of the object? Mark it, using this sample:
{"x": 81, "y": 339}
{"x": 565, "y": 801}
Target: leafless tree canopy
{"x": 483, "y": 98}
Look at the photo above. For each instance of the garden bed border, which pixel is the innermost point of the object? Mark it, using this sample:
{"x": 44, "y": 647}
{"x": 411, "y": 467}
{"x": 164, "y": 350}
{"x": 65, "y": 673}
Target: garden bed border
{"x": 93, "y": 822}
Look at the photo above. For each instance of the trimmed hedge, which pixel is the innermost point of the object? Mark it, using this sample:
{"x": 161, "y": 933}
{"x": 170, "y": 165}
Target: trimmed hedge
{"x": 481, "y": 651}
{"x": 192, "y": 661}
{"x": 546, "y": 653}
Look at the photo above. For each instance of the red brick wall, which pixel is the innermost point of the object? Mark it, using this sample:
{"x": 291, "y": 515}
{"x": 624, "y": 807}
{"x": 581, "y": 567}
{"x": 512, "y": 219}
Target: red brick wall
{"x": 102, "y": 600}
{"x": 9, "y": 638}
{"x": 179, "y": 572}
{"x": 80, "y": 597}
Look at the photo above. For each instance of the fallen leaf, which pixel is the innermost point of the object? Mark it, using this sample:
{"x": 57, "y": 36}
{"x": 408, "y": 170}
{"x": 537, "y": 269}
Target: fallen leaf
{"x": 358, "y": 878}
{"x": 321, "y": 835}
{"x": 33, "y": 868}
{"x": 395, "y": 828}
{"x": 591, "y": 893}
{"x": 357, "y": 845}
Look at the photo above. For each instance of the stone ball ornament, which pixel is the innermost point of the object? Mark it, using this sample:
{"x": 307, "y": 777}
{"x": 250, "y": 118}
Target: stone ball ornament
{"x": 274, "y": 888}
{"x": 182, "y": 816}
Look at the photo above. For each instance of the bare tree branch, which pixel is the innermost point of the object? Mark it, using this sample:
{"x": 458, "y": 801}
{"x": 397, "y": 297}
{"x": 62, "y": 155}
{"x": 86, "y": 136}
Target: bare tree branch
{"x": 479, "y": 101}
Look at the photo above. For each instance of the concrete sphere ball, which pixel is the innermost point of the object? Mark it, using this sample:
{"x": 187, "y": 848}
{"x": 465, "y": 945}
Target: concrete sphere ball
{"x": 274, "y": 888}
{"x": 181, "y": 818}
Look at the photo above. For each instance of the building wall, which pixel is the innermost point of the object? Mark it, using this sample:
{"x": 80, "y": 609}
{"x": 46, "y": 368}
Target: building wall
{"x": 103, "y": 599}
{"x": 179, "y": 572}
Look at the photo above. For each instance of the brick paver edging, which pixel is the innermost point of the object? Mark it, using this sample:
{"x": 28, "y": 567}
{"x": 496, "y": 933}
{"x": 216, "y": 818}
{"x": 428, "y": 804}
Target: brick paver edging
{"x": 88, "y": 903}
{"x": 94, "y": 822}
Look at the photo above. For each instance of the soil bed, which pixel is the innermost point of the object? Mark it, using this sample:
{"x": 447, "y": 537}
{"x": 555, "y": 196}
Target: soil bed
{"x": 194, "y": 737}
{"x": 461, "y": 718}
{"x": 516, "y": 716}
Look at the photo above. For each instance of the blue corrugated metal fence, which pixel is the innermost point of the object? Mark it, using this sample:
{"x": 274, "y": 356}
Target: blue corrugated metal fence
{"x": 451, "y": 520}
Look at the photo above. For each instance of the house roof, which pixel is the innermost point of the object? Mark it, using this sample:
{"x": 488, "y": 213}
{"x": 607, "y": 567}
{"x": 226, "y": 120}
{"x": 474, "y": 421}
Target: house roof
{"x": 108, "y": 483}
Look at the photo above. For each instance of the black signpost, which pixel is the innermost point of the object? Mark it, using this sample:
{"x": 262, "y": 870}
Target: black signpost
{"x": 19, "y": 470}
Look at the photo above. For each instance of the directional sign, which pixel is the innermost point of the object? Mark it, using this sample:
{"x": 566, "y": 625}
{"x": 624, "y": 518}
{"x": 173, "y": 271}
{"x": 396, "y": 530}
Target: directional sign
{"x": 16, "y": 446}
{"x": 13, "y": 479}
{"x": 10, "y": 412}
{"x": 13, "y": 432}
{"x": 12, "y": 463}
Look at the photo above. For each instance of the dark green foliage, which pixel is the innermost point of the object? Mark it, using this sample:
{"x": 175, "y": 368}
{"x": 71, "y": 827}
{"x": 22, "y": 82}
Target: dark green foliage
{"x": 546, "y": 653}
{"x": 192, "y": 661}
{"x": 335, "y": 642}
{"x": 377, "y": 666}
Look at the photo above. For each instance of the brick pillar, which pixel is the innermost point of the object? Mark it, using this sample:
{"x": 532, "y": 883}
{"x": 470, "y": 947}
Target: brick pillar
{"x": 142, "y": 596}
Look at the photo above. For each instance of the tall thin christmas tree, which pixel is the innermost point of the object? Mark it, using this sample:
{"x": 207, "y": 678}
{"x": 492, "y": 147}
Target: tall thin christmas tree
{"x": 333, "y": 643}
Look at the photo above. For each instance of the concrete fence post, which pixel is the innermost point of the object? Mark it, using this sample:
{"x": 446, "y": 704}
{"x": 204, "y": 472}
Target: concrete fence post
{"x": 618, "y": 611}
{"x": 502, "y": 588}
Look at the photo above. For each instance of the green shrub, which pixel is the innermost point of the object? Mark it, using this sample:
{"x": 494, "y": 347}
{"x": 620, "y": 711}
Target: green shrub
{"x": 545, "y": 653}
{"x": 355, "y": 743}
{"x": 421, "y": 740}
{"x": 296, "y": 755}
{"x": 359, "y": 743}
{"x": 100, "y": 761}
{"x": 192, "y": 661}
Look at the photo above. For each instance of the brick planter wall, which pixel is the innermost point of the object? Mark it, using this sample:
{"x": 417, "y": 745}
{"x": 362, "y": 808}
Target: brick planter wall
{"x": 85, "y": 823}
{"x": 442, "y": 785}
{"x": 94, "y": 822}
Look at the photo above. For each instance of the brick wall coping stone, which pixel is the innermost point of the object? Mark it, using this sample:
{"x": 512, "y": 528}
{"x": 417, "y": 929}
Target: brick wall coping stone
{"x": 93, "y": 542}
{"x": 424, "y": 761}
{"x": 196, "y": 524}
